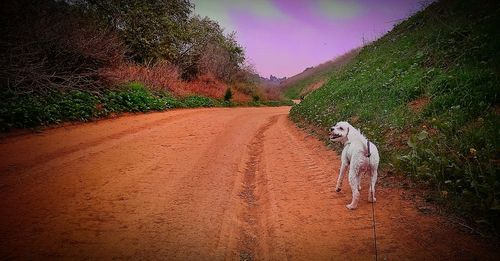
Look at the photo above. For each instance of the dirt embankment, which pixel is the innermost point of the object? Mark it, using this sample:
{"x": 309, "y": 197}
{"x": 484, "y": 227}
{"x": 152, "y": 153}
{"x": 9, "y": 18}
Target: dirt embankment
{"x": 223, "y": 184}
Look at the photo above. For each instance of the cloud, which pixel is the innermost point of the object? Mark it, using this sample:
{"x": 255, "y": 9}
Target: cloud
{"x": 338, "y": 9}
{"x": 221, "y": 10}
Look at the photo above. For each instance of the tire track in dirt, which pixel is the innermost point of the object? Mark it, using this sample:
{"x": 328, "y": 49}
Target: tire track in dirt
{"x": 213, "y": 185}
{"x": 316, "y": 165}
{"x": 249, "y": 216}
{"x": 302, "y": 206}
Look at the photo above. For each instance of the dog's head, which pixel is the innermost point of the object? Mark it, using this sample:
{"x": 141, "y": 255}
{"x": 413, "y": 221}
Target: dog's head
{"x": 339, "y": 131}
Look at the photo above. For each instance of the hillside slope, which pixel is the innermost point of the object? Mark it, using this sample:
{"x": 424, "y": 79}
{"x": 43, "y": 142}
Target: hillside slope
{"x": 427, "y": 94}
{"x": 313, "y": 78}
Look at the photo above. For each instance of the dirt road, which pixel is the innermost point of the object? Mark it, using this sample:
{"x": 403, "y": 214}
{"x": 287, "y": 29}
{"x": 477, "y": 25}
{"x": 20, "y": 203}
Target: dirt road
{"x": 204, "y": 184}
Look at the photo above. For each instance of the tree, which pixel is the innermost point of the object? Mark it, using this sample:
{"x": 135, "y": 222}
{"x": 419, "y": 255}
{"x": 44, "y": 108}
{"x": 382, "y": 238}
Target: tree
{"x": 202, "y": 32}
{"x": 211, "y": 52}
{"x": 152, "y": 29}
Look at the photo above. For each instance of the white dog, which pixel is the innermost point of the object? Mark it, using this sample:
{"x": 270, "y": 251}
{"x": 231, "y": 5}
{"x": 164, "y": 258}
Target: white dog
{"x": 360, "y": 155}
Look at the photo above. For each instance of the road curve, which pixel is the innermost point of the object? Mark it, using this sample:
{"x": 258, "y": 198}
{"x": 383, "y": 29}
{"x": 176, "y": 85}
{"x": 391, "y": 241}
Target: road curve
{"x": 201, "y": 184}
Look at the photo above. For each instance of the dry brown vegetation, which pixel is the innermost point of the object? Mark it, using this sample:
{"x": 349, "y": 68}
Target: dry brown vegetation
{"x": 164, "y": 76}
{"x": 44, "y": 49}
{"x": 208, "y": 85}
{"x": 161, "y": 75}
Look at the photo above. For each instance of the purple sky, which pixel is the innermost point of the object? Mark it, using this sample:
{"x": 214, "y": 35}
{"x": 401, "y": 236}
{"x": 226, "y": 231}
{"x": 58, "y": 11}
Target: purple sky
{"x": 283, "y": 37}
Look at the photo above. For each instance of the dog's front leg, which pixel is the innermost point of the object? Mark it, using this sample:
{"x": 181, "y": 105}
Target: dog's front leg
{"x": 343, "y": 167}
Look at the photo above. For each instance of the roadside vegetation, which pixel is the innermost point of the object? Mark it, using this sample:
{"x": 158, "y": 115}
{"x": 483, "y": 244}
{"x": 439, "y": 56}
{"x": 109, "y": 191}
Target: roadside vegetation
{"x": 83, "y": 59}
{"x": 427, "y": 94}
{"x": 23, "y": 110}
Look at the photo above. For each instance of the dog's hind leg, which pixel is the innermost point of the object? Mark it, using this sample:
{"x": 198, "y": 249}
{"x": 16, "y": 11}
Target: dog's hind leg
{"x": 354, "y": 178}
{"x": 371, "y": 191}
{"x": 340, "y": 179}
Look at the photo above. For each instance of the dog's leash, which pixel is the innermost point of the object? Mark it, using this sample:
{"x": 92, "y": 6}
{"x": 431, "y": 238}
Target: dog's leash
{"x": 373, "y": 205}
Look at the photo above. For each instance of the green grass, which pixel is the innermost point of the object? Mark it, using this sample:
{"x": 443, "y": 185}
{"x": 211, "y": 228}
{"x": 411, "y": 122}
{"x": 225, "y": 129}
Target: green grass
{"x": 297, "y": 86}
{"x": 294, "y": 90}
{"x": 449, "y": 56}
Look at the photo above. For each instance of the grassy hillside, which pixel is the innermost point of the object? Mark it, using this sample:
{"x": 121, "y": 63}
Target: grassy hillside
{"x": 312, "y": 78}
{"x": 427, "y": 94}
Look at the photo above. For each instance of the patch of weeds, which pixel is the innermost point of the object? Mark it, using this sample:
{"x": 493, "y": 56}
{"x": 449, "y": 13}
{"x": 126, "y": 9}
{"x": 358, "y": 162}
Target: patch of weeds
{"x": 198, "y": 101}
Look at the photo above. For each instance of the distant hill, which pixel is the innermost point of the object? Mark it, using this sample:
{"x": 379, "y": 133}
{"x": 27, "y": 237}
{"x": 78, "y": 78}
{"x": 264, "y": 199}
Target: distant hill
{"x": 272, "y": 80}
{"x": 314, "y": 77}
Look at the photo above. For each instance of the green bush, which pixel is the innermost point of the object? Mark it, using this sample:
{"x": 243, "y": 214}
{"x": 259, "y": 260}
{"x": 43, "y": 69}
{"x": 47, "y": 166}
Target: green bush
{"x": 28, "y": 111}
{"x": 134, "y": 98}
{"x": 198, "y": 101}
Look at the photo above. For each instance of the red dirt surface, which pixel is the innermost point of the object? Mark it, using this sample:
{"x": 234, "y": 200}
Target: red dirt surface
{"x": 202, "y": 184}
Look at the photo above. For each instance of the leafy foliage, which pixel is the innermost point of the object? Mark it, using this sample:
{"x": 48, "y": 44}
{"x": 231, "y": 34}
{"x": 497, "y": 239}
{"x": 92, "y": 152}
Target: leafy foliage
{"x": 447, "y": 58}
{"x": 152, "y": 29}
{"x": 209, "y": 51}
{"x": 134, "y": 98}
{"x": 198, "y": 101}
{"x": 27, "y": 111}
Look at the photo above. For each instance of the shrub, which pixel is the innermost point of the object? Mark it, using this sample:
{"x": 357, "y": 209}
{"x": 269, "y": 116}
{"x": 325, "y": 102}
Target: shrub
{"x": 198, "y": 101}
{"x": 134, "y": 98}
{"x": 228, "y": 95}
{"x": 28, "y": 111}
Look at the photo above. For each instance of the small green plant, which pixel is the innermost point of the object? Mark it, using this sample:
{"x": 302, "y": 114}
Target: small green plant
{"x": 228, "y": 95}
